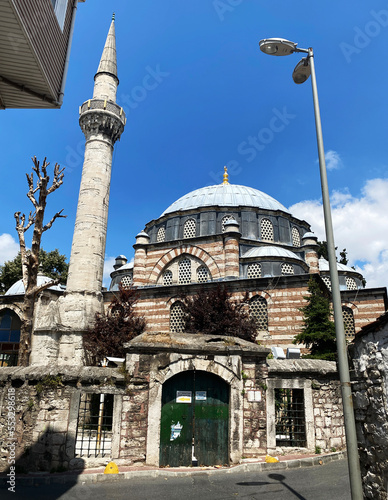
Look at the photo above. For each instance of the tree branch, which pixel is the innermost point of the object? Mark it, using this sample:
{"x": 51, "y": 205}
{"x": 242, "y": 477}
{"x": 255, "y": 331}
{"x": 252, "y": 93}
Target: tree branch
{"x": 58, "y": 178}
{"x": 42, "y": 287}
{"x": 49, "y": 224}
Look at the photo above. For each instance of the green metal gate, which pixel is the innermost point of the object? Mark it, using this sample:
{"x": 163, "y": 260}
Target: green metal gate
{"x": 195, "y": 420}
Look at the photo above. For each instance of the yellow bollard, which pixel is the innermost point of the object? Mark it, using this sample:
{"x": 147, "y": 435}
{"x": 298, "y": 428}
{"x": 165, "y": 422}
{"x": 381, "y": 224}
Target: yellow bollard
{"x": 111, "y": 468}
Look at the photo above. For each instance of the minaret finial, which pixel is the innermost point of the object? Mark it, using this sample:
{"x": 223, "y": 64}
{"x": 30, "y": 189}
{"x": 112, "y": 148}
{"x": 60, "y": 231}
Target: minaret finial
{"x": 226, "y": 176}
{"x": 113, "y": 16}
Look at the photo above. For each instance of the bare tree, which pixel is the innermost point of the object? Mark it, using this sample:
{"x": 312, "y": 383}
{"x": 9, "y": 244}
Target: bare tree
{"x": 37, "y": 194}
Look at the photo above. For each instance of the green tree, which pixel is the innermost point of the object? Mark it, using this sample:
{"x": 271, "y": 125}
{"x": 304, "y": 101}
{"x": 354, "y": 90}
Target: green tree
{"x": 114, "y": 328}
{"x": 53, "y": 265}
{"x": 322, "y": 252}
{"x": 214, "y": 312}
{"x": 318, "y": 333}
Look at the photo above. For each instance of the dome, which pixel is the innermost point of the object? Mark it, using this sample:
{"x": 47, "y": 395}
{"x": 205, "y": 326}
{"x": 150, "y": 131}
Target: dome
{"x": 270, "y": 251}
{"x": 324, "y": 266}
{"x": 18, "y": 287}
{"x": 225, "y": 195}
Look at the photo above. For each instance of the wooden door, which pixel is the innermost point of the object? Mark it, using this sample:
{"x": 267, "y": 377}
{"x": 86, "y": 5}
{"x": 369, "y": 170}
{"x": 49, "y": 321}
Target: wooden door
{"x": 194, "y": 420}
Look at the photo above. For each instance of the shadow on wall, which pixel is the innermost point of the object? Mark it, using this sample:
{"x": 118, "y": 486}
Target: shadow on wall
{"x": 44, "y": 464}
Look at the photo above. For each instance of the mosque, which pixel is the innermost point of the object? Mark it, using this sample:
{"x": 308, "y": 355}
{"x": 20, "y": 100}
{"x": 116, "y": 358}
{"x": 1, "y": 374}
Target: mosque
{"x": 244, "y": 403}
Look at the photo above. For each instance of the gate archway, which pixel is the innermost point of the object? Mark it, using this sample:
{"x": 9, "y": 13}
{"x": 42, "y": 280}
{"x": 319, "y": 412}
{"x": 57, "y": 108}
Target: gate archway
{"x": 194, "y": 423}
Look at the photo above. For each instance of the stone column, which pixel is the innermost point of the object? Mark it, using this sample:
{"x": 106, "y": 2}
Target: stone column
{"x": 310, "y": 247}
{"x": 232, "y": 249}
{"x": 139, "y": 265}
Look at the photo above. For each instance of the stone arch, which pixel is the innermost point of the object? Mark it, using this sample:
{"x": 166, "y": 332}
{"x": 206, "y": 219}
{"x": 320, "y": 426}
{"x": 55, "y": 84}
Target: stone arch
{"x": 192, "y": 250}
{"x": 189, "y": 362}
{"x": 12, "y": 307}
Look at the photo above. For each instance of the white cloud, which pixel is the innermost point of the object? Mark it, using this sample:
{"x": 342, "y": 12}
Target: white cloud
{"x": 9, "y": 248}
{"x": 360, "y": 225}
{"x": 333, "y": 160}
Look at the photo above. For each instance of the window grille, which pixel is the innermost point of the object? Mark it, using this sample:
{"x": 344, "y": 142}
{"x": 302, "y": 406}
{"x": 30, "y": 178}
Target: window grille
{"x": 161, "y": 236}
{"x": 94, "y": 425}
{"x": 259, "y": 311}
{"x": 351, "y": 283}
{"x": 202, "y": 274}
{"x": 266, "y": 230}
{"x": 226, "y": 219}
{"x": 348, "y": 318}
{"x": 326, "y": 280}
{"x": 9, "y": 337}
{"x": 254, "y": 270}
{"x": 177, "y": 312}
{"x": 184, "y": 271}
{"x": 167, "y": 278}
{"x": 189, "y": 229}
{"x": 126, "y": 281}
{"x": 287, "y": 269}
{"x": 295, "y": 237}
{"x": 290, "y": 417}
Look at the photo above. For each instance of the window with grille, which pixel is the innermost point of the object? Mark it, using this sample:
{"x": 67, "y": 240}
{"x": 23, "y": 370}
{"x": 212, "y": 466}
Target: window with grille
{"x": 266, "y": 230}
{"x": 259, "y": 311}
{"x": 202, "y": 274}
{"x": 177, "y": 312}
{"x": 295, "y": 237}
{"x": 287, "y": 269}
{"x": 184, "y": 271}
{"x": 9, "y": 337}
{"x": 351, "y": 283}
{"x": 326, "y": 280}
{"x": 94, "y": 425}
{"x": 126, "y": 281}
{"x": 189, "y": 229}
{"x": 254, "y": 270}
{"x": 290, "y": 418}
{"x": 167, "y": 278}
{"x": 226, "y": 219}
{"x": 161, "y": 236}
{"x": 348, "y": 318}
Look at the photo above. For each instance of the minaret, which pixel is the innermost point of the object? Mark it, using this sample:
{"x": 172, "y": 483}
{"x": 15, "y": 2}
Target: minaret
{"x": 102, "y": 121}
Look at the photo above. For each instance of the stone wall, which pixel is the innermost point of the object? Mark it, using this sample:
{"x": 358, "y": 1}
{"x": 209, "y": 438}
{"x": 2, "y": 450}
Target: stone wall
{"x": 322, "y": 401}
{"x": 44, "y": 403}
{"x": 370, "y": 395}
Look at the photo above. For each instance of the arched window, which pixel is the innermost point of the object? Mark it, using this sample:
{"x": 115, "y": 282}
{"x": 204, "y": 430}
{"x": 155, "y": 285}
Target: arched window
{"x": 9, "y": 337}
{"x": 287, "y": 269}
{"x": 254, "y": 270}
{"x": 202, "y": 274}
{"x": 349, "y": 328}
{"x": 167, "y": 278}
{"x": 177, "y": 312}
{"x": 266, "y": 228}
{"x": 226, "y": 219}
{"x": 161, "y": 236}
{"x": 126, "y": 281}
{"x": 295, "y": 237}
{"x": 258, "y": 310}
{"x": 184, "y": 271}
{"x": 189, "y": 229}
{"x": 351, "y": 283}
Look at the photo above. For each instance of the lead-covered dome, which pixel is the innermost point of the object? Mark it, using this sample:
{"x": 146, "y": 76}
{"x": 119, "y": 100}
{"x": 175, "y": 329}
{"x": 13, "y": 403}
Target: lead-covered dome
{"x": 225, "y": 195}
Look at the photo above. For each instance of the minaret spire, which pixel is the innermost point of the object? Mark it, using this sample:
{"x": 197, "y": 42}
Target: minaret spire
{"x": 106, "y": 79}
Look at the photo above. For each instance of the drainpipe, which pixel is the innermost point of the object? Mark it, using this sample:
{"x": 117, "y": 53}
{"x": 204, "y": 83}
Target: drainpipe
{"x": 65, "y": 69}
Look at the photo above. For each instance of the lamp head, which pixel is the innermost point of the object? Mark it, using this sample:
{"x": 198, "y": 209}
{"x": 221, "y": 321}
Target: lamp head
{"x": 302, "y": 71}
{"x": 277, "y": 46}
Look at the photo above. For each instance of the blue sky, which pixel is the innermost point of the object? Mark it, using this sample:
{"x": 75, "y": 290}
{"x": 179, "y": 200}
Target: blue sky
{"x": 216, "y": 94}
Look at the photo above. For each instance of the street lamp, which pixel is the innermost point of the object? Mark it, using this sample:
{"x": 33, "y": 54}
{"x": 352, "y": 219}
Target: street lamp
{"x": 302, "y": 71}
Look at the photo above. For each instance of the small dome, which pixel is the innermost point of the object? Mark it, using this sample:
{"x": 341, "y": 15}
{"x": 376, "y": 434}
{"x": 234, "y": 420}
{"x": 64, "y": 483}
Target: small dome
{"x": 225, "y": 195}
{"x": 18, "y": 287}
{"x": 324, "y": 266}
{"x": 270, "y": 251}
{"x": 125, "y": 266}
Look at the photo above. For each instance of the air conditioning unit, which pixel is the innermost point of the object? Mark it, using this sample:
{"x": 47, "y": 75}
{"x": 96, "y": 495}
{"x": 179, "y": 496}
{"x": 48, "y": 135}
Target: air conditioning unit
{"x": 293, "y": 353}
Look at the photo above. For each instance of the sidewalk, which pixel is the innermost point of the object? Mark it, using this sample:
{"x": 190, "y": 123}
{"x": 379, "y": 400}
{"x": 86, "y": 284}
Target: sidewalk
{"x": 97, "y": 475}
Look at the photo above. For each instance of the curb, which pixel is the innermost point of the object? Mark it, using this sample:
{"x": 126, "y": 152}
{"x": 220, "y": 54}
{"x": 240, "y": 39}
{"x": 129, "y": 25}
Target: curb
{"x": 152, "y": 473}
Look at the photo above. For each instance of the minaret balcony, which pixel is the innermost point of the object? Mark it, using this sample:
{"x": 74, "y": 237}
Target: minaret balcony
{"x": 102, "y": 116}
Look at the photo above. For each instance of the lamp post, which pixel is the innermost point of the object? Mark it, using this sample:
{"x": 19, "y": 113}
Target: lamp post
{"x": 305, "y": 67}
